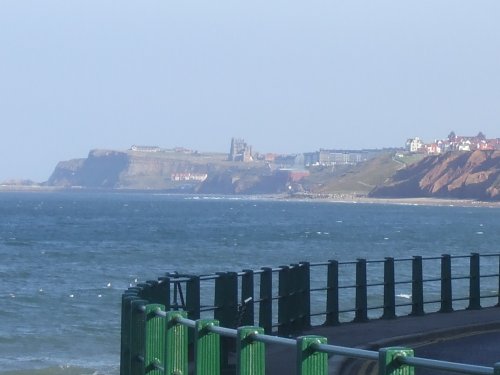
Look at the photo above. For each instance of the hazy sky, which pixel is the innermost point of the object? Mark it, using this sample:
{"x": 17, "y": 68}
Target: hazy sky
{"x": 287, "y": 76}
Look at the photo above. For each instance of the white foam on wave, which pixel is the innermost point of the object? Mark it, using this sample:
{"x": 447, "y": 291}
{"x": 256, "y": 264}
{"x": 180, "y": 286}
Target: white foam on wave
{"x": 404, "y": 295}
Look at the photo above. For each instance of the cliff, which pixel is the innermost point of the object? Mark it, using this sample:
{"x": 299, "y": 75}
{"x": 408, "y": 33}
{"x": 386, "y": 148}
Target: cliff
{"x": 169, "y": 171}
{"x": 458, "y": 175}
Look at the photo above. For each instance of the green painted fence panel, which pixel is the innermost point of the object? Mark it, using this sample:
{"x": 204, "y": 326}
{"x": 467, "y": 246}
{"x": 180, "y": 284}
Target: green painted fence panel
{"x": 309, "y": 360}
{"x": 207, "y": 348}
{"x": 154, "y": 356}
{"x": 266, "y": 302}
{"x": 176, "y": 344}
{"x": 417, "y": 287}
{"x": 389, "y": 290}
{"x": 250, "y": 354}
{"x": 332, "y": 294}
{"x": 388, "y": 362}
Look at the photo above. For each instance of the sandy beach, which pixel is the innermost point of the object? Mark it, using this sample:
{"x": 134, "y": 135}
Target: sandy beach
{"x": 354, "y": 199}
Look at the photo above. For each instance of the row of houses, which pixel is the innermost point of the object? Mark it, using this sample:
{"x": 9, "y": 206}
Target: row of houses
{"x": 453, "y": 143}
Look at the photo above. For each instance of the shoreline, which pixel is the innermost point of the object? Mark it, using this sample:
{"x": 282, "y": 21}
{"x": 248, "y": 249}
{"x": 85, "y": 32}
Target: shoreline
{"x": 346, "y": 198}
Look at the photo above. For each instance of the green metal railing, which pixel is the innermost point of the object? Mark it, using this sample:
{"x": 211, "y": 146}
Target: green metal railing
{"x": 162, "y": 318}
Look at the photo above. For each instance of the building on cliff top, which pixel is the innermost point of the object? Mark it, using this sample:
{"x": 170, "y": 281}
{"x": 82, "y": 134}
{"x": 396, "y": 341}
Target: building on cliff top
{"x": 240, "y": 151}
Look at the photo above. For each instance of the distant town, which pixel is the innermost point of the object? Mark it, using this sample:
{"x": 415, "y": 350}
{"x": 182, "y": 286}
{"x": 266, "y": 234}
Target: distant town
{"x": 241, "y": 151}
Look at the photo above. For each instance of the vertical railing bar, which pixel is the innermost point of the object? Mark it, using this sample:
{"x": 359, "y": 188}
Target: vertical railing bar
{"x": 265, "y": 296}
{"x": 361, "y": 314}
{"x": 417, "y": 287}
{"x": 389, "y": 289}
{"x": 446, "y": 287}
{"x": 332, "y": 293}
{"x": 474, "y": 283}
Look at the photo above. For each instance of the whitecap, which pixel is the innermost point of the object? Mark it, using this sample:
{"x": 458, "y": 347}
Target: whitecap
{"x": 479, "y": 232}
{"x": 404, "y": 295}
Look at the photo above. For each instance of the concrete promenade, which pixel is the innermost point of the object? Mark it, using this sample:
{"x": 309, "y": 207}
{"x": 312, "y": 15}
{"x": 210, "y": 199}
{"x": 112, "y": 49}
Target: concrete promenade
{"x": 410, "y": 331}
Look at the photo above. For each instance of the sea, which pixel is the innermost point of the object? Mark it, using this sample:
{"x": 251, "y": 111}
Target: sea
{"x": 66, "y": 257}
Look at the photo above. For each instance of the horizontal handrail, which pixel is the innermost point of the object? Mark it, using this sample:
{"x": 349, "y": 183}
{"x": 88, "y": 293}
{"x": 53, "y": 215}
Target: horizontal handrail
{"x": 398, "y": 356}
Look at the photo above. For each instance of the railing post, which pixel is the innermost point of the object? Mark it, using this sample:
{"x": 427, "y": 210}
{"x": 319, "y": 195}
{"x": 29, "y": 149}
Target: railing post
{"x": 226, "y": 299}
{"x": 309, "y": 360}
{"x": 388, "y": 363}
{"x": 126, "y": 332}
{"x": 284, "y": 306}
{"x": 474, "y": 283}
{"x": 332, "y": 294}
{"x": 207, "y": 348}
{"x": 498, "y": 286}
{"x": 154, "y": 355}
{"x": 266, "y": 300}
{"x": 162, "y": 292}
{"x": 417, "y": 287}
{"x": 305, "y": 295}
{"x": 176, "y": 344}
{"x": 251, "y": 355}
{"x": 446, "y": 292}
{"x": 389, "y": 289}
{"x": 247, "y": 294}
{"x": 226, "y": 311}
{"x": 193, "y": 297}
{"x": 294, "y": 301}
{"x": 144, "y": 291}
{"x": 137, "y": 336}
{"x": 361, "y": 314}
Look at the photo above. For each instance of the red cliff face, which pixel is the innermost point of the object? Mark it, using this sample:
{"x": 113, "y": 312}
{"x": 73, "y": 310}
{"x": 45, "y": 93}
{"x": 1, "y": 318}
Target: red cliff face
{"x": 462, "y": 175}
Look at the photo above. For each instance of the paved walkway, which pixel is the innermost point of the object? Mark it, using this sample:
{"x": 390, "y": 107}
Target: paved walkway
{"x": 381, "y": 333}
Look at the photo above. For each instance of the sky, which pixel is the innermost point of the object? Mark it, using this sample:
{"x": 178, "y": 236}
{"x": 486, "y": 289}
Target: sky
{"x": 287, "y": 76}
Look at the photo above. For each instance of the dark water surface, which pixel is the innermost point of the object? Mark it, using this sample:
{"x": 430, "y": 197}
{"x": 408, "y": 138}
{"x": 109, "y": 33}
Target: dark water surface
{"x": 65, "y": 258}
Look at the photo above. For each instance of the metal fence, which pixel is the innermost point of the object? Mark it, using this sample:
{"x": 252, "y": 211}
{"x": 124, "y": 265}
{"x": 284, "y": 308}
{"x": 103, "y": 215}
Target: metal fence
{"x": 280, "y": 299}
